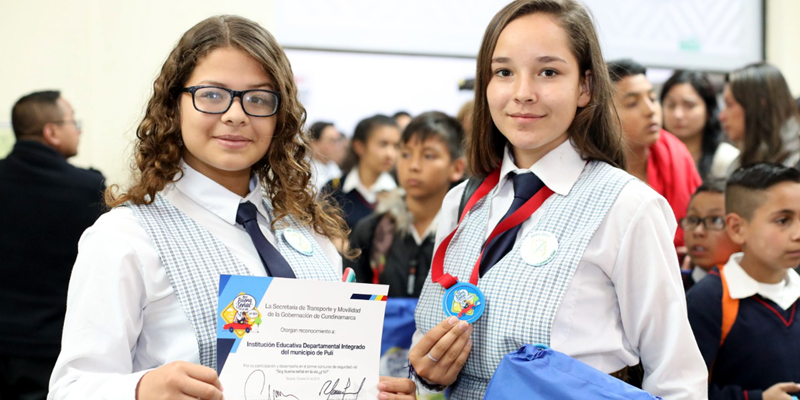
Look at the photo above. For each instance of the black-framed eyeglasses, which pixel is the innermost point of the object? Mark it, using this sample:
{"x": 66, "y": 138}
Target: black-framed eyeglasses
{"x": 218, "y": 100}
{"x": 75, "y": 122}
{"x": 710, "y": 223}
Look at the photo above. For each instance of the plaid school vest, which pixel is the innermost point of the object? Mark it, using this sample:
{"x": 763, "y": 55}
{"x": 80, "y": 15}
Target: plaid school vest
{"x": 194, "y": 259}
{"x": 521, "y": 299}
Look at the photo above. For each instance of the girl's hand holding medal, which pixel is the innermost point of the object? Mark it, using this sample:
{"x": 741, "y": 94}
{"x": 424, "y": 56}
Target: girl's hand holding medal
{"x": 442, "y": 352}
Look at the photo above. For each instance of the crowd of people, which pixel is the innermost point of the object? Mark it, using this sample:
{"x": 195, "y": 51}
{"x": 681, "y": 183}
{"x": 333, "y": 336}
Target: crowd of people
{"x": 651, "y": 235}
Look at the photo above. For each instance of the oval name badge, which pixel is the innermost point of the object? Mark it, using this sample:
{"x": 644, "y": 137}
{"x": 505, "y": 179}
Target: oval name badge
{"x": 298, "y": 242}
{"x": 539, "y": 248}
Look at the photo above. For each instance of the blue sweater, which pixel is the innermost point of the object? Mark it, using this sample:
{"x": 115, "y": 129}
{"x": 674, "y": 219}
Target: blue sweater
{"x": 762, "y": 347}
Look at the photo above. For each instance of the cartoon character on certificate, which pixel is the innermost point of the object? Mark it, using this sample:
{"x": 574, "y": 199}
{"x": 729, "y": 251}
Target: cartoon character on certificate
{"x": 241, "y": 314}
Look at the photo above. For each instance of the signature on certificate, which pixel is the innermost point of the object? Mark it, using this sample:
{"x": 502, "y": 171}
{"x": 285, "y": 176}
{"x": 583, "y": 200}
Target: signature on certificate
{"x": 329, "y": 389}
{"x": 255, "y": 391}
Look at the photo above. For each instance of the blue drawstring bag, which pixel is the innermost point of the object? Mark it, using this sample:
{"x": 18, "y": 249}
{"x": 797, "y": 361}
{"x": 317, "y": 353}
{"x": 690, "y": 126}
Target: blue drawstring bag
{"x": 539, "y": 372}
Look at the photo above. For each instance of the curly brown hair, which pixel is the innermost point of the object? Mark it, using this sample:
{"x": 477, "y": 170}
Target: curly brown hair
{"x": 284, "y": 170}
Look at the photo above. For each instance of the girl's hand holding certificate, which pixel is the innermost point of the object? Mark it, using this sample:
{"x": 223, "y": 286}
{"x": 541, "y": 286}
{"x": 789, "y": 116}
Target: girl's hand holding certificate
{"x": 180, "y": 380}
{"x": 396, "y": 389}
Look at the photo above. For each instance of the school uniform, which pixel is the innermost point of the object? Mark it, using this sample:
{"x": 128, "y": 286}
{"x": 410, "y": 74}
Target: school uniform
{"x": 611, "y": 295}
{"x": 389, "y": 237}
{"x": 760, "y": 349}
{"x": 724, "y": 156}
{"x": 355, "y": 199}
{"x": 143, "y": 288}
{"x": 691, "y": 277}
{"x": 322, "y": 173}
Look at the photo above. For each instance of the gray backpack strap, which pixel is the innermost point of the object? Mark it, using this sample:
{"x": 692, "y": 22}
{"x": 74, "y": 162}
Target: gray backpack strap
{"x": 473, "y": 183}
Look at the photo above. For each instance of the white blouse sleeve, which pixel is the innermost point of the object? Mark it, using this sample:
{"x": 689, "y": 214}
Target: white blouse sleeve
{"x": 104, "y": 317}
{"x": 652, "y": 304}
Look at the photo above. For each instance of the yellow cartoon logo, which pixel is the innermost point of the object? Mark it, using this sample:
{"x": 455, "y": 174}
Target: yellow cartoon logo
{"x": 241, "y": 314}
{"x": 464, "y": 303}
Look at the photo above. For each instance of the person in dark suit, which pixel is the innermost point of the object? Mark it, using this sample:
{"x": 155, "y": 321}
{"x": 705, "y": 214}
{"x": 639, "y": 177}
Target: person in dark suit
{"x": 45, "y": 205}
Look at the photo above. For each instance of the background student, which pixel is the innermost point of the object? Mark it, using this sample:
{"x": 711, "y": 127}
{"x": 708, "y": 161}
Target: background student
{"x": 690, "y": 109}
{"x": 654, "y": 155}
{"x": 402, "y": 118}
{"x": 397, "y": 241}
{"x": 541, "y": 110}
{"x": 760, "y": 116}
{"x": 373, "y": 154}
{"x": 708, "y": 244}
{"x": 743, "y": 315}
{"x": 325, "y": 143}
{"x": 222, "y": 177}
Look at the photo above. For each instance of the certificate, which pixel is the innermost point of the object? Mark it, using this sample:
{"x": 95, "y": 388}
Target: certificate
{"x": 298, "y": 339}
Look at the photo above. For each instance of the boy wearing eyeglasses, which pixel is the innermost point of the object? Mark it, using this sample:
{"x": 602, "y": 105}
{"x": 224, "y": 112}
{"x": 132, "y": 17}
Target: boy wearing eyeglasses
{"x": 707, "y": 243}
{"x": 743, "y": 315}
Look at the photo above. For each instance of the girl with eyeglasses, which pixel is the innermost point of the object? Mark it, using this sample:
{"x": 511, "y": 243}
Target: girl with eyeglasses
{"x": 220, "y": 159}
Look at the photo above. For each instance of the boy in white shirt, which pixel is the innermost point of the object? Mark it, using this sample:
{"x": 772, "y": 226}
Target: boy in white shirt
{"x": 755, "y": 294}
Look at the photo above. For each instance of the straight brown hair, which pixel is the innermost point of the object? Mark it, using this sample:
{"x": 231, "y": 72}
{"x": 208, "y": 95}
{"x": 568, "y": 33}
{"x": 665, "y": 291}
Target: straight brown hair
{"x": 594, "y": 131}
{"x": 768, "y": 104}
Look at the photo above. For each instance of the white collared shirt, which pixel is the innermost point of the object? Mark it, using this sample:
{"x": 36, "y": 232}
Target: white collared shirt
{"x": 418, "y": 239}
{"x": 352, "y": 181}
{"x": 123, "y": 318}
{"x": 698, "y": 273}
{"x": 626, "y": 299}
{"x": 741, "y": 285}
{"x": 322, "y": 173}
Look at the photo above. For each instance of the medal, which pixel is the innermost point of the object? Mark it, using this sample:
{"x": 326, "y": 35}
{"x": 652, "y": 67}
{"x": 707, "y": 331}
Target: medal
{"x": 539, "y": 248}
{"x": 298, "y": 242}
{"x": 464, "y": 301}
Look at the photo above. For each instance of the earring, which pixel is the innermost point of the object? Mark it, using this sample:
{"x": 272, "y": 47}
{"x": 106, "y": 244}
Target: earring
{"x": 180, "y": 142}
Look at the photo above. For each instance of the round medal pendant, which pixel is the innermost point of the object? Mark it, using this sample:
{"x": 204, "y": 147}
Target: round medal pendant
{"x": 298, "y": 242}
{"x": 539, "y": 248}
{"x": 465, "y": 301}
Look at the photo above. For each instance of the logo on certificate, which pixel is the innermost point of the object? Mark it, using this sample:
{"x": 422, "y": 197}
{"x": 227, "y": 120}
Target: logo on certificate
{"x": 241, "y": 314}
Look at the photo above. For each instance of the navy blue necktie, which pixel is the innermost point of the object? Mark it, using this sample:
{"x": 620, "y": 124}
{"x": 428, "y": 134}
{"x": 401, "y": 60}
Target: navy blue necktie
{"x": 525, "y": 186}
{"x": 273, "y": 261}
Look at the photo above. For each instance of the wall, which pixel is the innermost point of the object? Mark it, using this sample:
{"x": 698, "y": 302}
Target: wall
{"x": 103, "y": 56}
{"x": 783, "y": 31}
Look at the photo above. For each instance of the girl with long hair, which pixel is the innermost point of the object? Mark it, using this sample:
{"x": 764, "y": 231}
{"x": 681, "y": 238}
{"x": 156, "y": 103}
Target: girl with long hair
{"x": 761, "y": 117}
{"x": 220, "y": 162}
{"x": 691, "y": 114}
{"x": 366, "y": 173}
{"x": 582, "y": 261}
